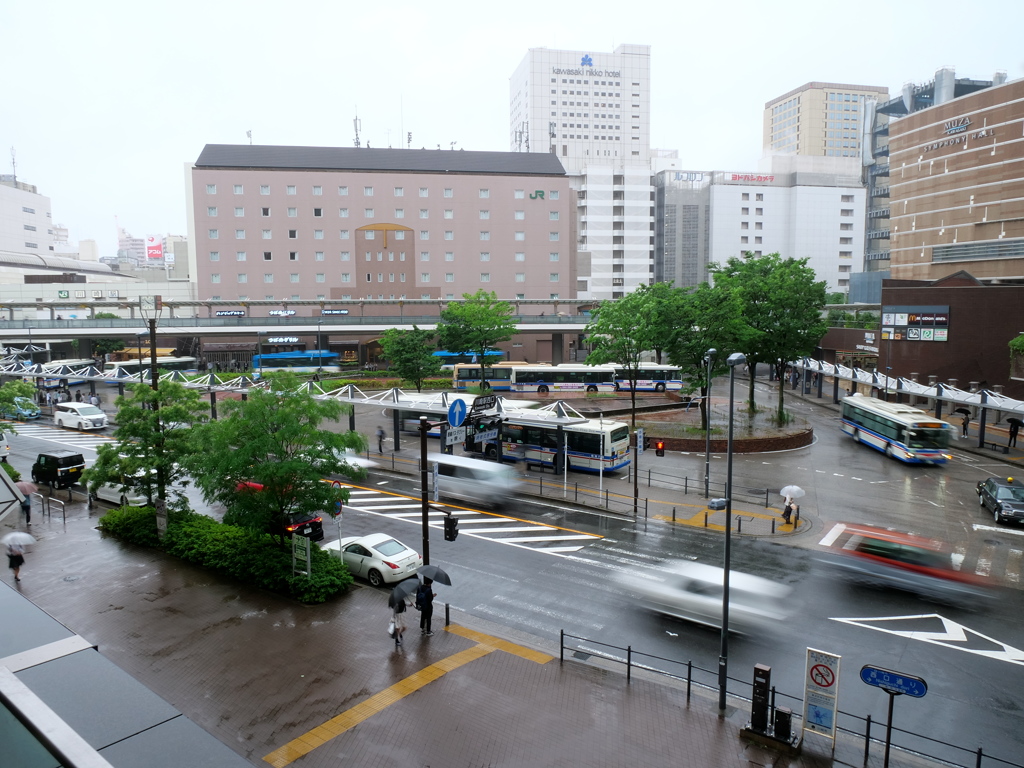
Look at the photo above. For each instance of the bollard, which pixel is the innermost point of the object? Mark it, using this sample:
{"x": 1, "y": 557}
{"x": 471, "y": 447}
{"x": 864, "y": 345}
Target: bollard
{"x": 739, "y": 524}
{"x": 561, "y": 647}
{"x": 542, "y": 484}
{"x": 686, "y": 485}
{"x": 629, "y": 663}
{"x": 705, "y": 518}
{"x": 577, "y": 496}
{"x": 773, "y": 525}
{"x": 646, "y": 501}
{"x": 648, "y": 477}
{"x": 689, "y": 676}
{"x": 796, "y": 520}
{"x": 447, "y": 615}
{"x": 606, "y": 498}
{"x": 867, "y": 738}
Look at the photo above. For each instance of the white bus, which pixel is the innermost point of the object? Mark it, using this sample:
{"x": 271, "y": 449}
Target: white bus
{"x": 595, "y": 446}
{"x": 133, "y": 367}
{"x": 651, "y": 377}
{"x": 899, "y": 431}
{"x": 522, "y": 377}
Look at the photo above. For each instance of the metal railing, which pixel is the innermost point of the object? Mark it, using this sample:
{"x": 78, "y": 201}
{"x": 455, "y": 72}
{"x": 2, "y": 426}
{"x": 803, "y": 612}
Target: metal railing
{"x": 694, "y": 675}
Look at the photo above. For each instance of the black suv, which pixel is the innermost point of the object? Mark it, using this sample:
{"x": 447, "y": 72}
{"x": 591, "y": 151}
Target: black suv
{"x": 1004, "y": 498}
{"x": 59, "y": 469}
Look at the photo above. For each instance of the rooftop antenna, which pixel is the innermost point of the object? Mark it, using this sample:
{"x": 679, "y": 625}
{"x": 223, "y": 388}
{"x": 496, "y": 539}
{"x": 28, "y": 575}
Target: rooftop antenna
{"x": 409, "y": 140}
{"x": 14, "y": 167}
{"x": 249, "y": 134}
{"x": 357, "y": 123}
{"x": 453, "y": 144}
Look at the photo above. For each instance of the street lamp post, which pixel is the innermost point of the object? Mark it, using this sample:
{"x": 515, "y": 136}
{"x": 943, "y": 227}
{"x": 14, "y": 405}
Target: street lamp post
{"x": 319, "y": 351}
{"x": 735, "y": 359}
{"x": 138, "y": 340}
{"x": 259, "y": 351}
{"x": 709, "y": 357}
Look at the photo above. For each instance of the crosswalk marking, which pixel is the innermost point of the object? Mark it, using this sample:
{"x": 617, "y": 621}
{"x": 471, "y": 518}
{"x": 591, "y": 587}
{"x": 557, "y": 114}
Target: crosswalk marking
{"x": 62, "y": 436}
{"x": 548, "y": 539}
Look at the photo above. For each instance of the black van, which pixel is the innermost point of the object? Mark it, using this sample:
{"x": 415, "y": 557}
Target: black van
{"x": 59, "y": 469}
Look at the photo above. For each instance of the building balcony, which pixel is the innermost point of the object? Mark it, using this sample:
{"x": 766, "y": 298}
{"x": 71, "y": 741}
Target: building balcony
{"x": 879, "y": 191}
{"x": 880, "y": 169}
{"x": 877, "y": 255}
{"x": 877, "y": 234}
{"x": 882, "y": 151}
{"x": 879, "y": 213}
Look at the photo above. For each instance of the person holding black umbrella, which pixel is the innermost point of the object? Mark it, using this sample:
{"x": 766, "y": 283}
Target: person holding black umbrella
{"x": 1014, "y": 429}
{"x": 425, "y": 604}
{"x": 966, "y": 423}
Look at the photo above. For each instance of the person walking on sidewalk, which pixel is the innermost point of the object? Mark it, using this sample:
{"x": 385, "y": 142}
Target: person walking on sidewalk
{"x": 966, "y": 423}
{"x": 398, "y": 617}
{"x": 1014, "y": 429}
{"x": 381, "y": 436}
{"x": 15, "y": 559}
{"x": 425, "y": 604}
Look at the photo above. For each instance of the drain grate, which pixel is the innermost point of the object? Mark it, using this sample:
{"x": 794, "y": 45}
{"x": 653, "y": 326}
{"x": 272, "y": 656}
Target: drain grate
{"x": 581, "y": 655}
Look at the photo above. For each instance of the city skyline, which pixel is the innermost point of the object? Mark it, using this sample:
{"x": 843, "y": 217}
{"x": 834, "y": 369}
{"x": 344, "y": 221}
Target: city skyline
{"x": 110, "y": 106}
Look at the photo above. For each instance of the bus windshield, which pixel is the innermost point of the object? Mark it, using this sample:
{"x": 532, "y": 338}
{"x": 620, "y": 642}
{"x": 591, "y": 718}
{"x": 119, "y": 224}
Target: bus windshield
{"x": 927, "y": 438}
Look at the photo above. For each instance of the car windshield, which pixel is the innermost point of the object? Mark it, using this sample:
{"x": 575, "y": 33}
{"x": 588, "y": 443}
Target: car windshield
{"x": 90, "y": 410}
{"x": 1008, "y": 493}
{"x": 389, "y": 548}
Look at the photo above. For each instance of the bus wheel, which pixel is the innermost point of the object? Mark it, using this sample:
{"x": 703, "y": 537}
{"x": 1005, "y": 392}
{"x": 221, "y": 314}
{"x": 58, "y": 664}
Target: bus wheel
{"x": 856, "y": 435}
{"x": 888, "y": 450}
{"x": 491, "y": 452}
{"x": 542, "y": 389}
{"x": 659, "y": 387}
{"x": 591, "y": 388}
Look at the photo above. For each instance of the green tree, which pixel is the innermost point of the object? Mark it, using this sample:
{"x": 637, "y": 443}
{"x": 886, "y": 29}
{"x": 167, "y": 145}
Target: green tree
{"x": 704, "y": 318}
{"x": 620, "y": 331}
{"x": 106, "y": 346}
{"x": 476, "y": 324}
{"x": 782, "y": 307}
{"x": 410, "y": 354}
{"x": 274, "y": 438}
{"x": 8, "y": 391}
{"x": 154, "y": 438}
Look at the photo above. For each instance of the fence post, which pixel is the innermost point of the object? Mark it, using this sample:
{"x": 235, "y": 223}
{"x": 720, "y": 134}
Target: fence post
{"x": 561, "y": 646}
{"x": 867, "y": 738}
{"x": 689, "y": 676}
{"x": 606, "y": 495}
{"x": 648, "y": 477}
{"x": 686, "y": 485}
{"x": 629, "y": 662}
{"x": 766, "y": 498}
{"x": 646, "y": 501}
{"x": 977, "y": 764}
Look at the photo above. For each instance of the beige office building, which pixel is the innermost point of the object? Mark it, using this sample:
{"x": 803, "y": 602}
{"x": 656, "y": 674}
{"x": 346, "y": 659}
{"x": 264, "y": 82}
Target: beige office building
{"x": 819, "y": 119}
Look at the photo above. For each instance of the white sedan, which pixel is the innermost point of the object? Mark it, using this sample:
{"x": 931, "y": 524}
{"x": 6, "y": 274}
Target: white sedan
{"x": 378, "y": 558}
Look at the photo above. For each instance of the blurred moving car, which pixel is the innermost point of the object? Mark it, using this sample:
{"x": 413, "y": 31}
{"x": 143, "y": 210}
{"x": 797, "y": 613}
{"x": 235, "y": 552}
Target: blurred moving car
{"x": 694, "y": 591}
{"x": 887, "y": 558}
{"x": 1004, "y": 498}
{"x": 487, "y": 483}
{"x": 304, "y": 524}
{"x": 378, "y": 558}
{"x": 22, "y": 409}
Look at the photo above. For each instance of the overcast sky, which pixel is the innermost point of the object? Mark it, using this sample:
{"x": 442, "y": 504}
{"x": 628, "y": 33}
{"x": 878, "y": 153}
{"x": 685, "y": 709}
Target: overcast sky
{"x": 105, "y": 102}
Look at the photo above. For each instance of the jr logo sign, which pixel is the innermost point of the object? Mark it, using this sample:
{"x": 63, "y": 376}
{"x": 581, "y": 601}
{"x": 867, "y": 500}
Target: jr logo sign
{"x": 537, "y": 195}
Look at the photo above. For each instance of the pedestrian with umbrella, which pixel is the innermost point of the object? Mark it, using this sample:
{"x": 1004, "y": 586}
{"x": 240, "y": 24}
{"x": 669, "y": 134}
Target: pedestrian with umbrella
{"x": 1014, "y": 429}
{"x": 16, "y": 541}
{"x": 27, "y": 490}
{"x": 397, "y": 603}
{"x": 425, "y": 595}
{"x": 791, "y": 492}
{"x": 966, "y": 420}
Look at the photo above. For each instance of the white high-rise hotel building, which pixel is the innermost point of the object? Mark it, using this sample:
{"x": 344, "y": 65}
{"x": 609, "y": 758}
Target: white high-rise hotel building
{"x": 592, "y": 110}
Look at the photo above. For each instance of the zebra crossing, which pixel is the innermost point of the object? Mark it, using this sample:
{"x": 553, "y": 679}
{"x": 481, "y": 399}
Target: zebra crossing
{"x": 539, "y": 537}
{"x": 72, "y": 438}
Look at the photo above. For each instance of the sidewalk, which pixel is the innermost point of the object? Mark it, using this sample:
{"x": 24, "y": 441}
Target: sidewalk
{"x": 287, "y": 684}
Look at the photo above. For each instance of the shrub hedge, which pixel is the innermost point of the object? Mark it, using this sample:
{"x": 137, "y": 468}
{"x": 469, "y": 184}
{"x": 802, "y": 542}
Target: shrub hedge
{"x": 250, "y": 557}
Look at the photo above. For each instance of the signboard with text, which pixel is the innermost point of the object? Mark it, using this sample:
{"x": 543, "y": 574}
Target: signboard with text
{"x": 821, "y": 693}
{"x": 915, "y": 323}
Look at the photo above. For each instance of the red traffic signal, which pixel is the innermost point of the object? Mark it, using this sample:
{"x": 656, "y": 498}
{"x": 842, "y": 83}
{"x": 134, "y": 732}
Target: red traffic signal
{"x": 659, "y": 447}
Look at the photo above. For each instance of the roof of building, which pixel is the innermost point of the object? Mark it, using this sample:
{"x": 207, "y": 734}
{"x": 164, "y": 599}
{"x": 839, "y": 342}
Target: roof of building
{"x": 50, "y": 263}
{"x": 366, "y": 159}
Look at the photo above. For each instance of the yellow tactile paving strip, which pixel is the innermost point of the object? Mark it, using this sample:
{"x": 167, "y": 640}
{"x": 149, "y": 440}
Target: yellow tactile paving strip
{"x": 698, "y": 519}
{"x": 352, "y": 717}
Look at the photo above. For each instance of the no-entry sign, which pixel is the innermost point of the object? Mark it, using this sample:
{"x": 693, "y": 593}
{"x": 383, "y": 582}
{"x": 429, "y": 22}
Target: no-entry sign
{"x": 821, "y": 692}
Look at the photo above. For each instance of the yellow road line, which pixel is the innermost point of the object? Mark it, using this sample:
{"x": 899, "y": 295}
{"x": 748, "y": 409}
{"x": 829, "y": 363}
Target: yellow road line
{"x": 307, "y": 742}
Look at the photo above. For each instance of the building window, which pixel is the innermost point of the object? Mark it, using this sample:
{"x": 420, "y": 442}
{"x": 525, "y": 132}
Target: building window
{"x": 520, "y": 215}
{"x": 346, "y": 277}
{"x": 485, "y": 193}
{"x": 293, "y": 234}
{"x": 318, "y": 212}
{"x": 211, "y": 210}
{"x": 846, "y": 241}
{"x": 290, "y": 189}
{"x": 449, "y": 235}
{"x": 745, "y": 196}
{"x": 484, "y": 256}
{"x": 321, "y": 277}
{"x": 214, "y": 255}
{"x": 846, "y": 212}
{"x": 485, "y": 235}
{"x": 744, "y": 211}
{"x": 846, "y": 227}
{"x": 519, "y": 194}
{"x": 318, "y": 234}
{"x": 553, "y": 194}
{"x": 449, "y": 277}
{"x": 211, "y": 189}
{"x": 757, "y": 241}
{"x": 744, "y": 239}
{"x": 553, "y": 215}
{"x": 759, "y": 197}
{"x": 368, "y": 213}
{"x": 520, "y": 277}
{"x": 264, "y": 189}
{"x": 318, "y": 190}
{"x": 485, "y": 277}
{"x": 343, "y": 213}
{"x": 846, "y": 198}
{"x": 449, "y": 213}
{"x": 424, "y": 192}
{"x": 367, "y": 191}
{"x": 268, "y": 277}
{"x": 238, "y": 189}
{"x": 553, "y": 256}
{"x": 345, "y": 256}
{"x": 757, "y": 225}
{"x": 520, "y": 236}
{"x": 239, "y": 255}
{"x": 553, "y": 236}
{"x": 344, "y": 234}
{"x": 520, "y": 295}
{"x": 267, "y": 255}
{"x": 555, "y": 296}
{"x": 424, "y": 213}
{"x": 399, "y": 213}
{"x": 846, "y": 254}
{"x": 267, "y": 234}
{"x": 293, "y": 212}
{"x": 553, "y": 277}
{"x": 744, "y": 225}
{"x": 759, "y": 211}
{"x": 293, "y": 255}
{"x": 448, "y": 193}
{"x": 424, "y": 255}
{"x": 449, "y": 256}
{"x": 424, "y": 234}
{"x": 318, "y": 256}
{"x": 485, "y": 214}
{"x": 215, "y": 277}
{"x": 400, "y": 235}
{"x": 239, "y": 212}
{"x": 243, "y": 277}
{"x": 264, "y": 212}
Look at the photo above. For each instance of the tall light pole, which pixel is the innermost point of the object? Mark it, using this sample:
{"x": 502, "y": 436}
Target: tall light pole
{"x": 138, "y": 341}
{"x": 319, "y": 350}
{"x": 259, "y": 351}
{"x": 735, "y": 359}
{"x": 709, "y": 358}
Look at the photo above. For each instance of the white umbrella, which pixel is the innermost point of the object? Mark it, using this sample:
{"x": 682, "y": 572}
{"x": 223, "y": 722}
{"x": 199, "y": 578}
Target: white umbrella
{"x": 18, "y": 537}
{"x": 793, "y": 491}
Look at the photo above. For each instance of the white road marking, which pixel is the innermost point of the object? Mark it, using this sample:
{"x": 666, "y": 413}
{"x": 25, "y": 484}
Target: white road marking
{"x": 1014, "y": 531}
{"x": 1013, "y": 565}
{"x": 953, "y": 633}
{"x": 984, "y": 567}
{"x": 957, "y": 557}
{"x": 831, "y": 536}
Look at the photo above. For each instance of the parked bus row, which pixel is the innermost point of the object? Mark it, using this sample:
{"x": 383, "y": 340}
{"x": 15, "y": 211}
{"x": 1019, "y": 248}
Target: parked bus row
{"x": 567, "y": 377}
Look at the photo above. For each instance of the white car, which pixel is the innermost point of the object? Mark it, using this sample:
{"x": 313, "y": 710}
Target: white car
{"x": 112, "y": 493}
{"x": 79, "y": 416}
{"x": 693, "y": 591}
{"x": 378, "y": 558}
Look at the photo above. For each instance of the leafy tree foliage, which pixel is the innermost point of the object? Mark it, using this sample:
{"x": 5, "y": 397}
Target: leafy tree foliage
{"x": 782, "y": 305}
{"x": 620, "y": 331}
{"x": 274, "y": 438}
{"x": 154, "y": 438}
{"x": 704, "y": 318}
{"x": 8, "y": 391}
{"x": 410, "y": 354}
{"x": 476, "y": 324}
{"x": 106, "y": 346}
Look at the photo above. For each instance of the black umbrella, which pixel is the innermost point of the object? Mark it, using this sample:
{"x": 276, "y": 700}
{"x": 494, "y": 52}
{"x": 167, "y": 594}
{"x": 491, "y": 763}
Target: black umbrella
{"x": 1016, "y": 421}
{"x": 402, "y": 590}
{"x": 964, "y": 411}
{"x": 434, "y": 573}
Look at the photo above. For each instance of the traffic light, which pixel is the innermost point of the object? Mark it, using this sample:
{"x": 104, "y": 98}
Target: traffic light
{"x": 647, "y": 443}
{"x": 659, "y": 447}
{"x": 451, "y": 528}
